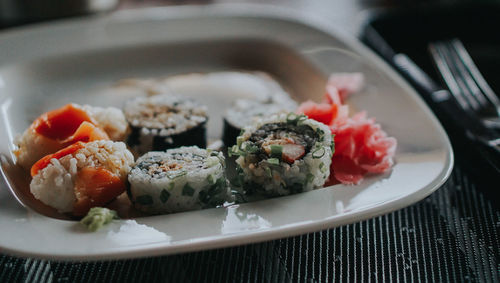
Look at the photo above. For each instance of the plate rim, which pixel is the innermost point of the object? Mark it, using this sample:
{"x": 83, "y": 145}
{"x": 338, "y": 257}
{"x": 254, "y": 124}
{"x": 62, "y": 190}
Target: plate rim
{"x": 232, "y": 10}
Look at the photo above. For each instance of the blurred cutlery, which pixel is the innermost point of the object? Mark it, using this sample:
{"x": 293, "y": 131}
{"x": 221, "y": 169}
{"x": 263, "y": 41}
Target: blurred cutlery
{"x": 465, "y": 82}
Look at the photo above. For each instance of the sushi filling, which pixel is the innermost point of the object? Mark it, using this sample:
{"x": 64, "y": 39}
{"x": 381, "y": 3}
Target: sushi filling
{"x": 283, "y": 141}
{"x": 177, "y": 163}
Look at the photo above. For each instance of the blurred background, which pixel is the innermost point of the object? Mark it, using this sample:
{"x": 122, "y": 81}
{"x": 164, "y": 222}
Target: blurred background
{"x": 21, "y": 12}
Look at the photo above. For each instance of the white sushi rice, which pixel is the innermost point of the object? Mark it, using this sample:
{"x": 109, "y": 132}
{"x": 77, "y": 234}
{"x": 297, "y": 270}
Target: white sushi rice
{"x": 310, "y": 171}
{"x": 111, "y": 120}
{"x": 32, "y": 146}
{"x": 177, "y": 180}
{"x": 54, "y": 184}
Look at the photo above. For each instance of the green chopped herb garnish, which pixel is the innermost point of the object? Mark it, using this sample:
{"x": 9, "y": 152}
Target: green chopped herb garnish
{"x": 274, "y": 161}
{"x": 176, "y": 174}
{"x": 251, "y": 148}
{"x": 322, "y": 167}
{"x": 187, "y": 190}
{"x": 144, "y": 200}
{"x": 222, "y": 160}
{"x": 97, "y": 217}
{"x": 301, "y": 119}
{"x": 243, "y": 149}
{"x": 171, "y": 186}
{"x": 276, "y": 151}
{"x": 239, "y": 150}
{"x": 318, "y": 153}
{"x": 219, "y": 156}
{"x": 233, "y": 151}
{"x": 212, "y": 161}
{"x": 239, "y": 141}
{"x": 291, "y": 117}
{"x": 296, "y": 119}
{"x": 164, "y": 195}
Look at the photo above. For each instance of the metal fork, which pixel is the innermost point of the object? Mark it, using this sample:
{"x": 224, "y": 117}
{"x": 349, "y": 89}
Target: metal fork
{"x": 465, "y": 82}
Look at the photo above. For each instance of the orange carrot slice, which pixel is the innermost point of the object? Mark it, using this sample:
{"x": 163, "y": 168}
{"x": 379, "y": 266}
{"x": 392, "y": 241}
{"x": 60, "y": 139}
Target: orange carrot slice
{"x": 61, "y": 123}
{"x": 95, "y": 187}
{"x": 42, "y": 163}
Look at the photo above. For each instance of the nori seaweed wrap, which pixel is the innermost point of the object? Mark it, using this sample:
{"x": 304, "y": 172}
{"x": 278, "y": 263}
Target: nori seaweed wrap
{"x": 165, "y": 121}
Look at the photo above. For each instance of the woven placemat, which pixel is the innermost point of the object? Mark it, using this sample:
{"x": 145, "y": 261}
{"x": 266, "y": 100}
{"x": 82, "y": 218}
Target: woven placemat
{"x": 451, "y": 235}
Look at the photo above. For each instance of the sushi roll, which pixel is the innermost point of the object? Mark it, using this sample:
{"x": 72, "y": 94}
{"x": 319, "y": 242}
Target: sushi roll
{"x": 82, "y": 176}
{"x": 61, "y": 127}
{"x": 283, "y": 154}
{"x": 165, "y": 121}
{"x": 181, "y": 179}
{"x": 244, "y": 111}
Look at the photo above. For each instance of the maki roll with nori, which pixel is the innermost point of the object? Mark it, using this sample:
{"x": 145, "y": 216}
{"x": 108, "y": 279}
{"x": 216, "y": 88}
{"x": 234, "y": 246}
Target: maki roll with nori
{"x": 165, "y": 121}
{"x": 244, "y": 111}
{"x": 283, "y": 154}
{"x": 180, "y": 179}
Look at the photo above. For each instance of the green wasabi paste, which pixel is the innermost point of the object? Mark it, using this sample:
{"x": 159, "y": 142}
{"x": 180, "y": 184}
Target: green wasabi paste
{"x": 97, "y": 217}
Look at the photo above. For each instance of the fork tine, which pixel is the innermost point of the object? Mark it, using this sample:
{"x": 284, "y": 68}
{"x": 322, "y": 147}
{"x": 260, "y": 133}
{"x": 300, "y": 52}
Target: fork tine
{"x": 469, "y": 85}
{"x": 444, "y": 65}
{"x": 476, "y": 75}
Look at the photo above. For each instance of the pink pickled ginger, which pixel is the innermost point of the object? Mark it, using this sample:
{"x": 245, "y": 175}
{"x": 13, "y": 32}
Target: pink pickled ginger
{"x": 361, "y": 146}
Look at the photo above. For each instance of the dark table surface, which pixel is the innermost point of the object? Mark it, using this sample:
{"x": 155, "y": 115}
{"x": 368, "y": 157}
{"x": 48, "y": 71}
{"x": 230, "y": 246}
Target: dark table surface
{"x": 452, "y": 235}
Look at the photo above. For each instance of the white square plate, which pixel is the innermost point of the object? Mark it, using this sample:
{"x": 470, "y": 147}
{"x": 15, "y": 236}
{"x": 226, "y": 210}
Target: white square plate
{"x": 46, "y": 66}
